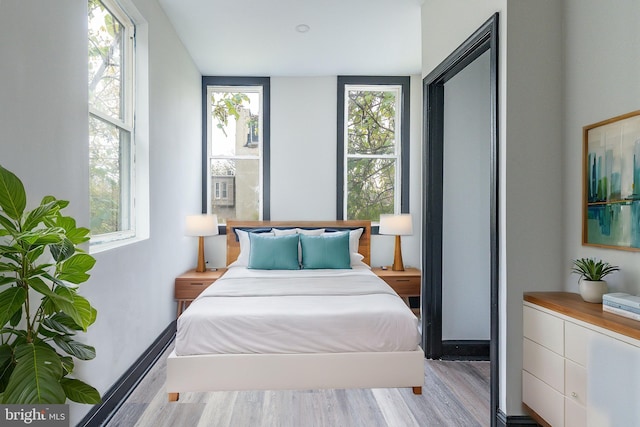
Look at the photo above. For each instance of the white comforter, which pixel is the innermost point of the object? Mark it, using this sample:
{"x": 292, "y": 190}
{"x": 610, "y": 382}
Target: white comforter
{"x": 299, "y": 311}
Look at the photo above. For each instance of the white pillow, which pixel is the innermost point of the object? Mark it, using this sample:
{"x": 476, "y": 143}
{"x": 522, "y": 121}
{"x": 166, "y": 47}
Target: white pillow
{"x": 245, "y": 248}
{"x": 354, "y": 242}
{"x": 283, "y": 232}
{"x": 287, "y": 231}
{"x": 312, "y": 232}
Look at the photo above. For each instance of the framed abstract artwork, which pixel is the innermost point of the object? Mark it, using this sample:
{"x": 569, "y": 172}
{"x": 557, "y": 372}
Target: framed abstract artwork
{"x": 611, "y": 187}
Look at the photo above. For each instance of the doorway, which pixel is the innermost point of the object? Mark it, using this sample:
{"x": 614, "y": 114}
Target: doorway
{"x": 441, "y": 210}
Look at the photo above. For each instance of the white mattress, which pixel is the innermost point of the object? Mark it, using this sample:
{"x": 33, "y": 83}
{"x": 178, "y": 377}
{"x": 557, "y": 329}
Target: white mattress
{"x": 299, "y": 311}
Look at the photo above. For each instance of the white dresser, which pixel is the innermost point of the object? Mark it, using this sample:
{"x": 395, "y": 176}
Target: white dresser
{"x": 581, "y": 366}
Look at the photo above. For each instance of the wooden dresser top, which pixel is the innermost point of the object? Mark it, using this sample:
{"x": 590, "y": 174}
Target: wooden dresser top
{"x": 572, "y": 305}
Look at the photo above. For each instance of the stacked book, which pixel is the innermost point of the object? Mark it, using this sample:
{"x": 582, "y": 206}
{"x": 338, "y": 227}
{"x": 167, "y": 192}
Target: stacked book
{"x": 622, "y": 304}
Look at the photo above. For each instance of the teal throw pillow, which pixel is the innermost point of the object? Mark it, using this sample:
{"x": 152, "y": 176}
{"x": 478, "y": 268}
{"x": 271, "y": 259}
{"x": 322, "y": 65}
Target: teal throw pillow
{"x": 273, "y": 252}
{"x": 330, "y": 250}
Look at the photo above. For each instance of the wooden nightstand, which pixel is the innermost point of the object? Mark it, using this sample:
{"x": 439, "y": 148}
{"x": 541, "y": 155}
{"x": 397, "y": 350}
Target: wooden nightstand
{"x": 190, "y": 284}
{"x": 406, "y": 283}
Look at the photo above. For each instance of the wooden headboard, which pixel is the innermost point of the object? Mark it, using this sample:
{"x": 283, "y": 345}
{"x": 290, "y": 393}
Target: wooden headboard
{"x": 233, "y": 245}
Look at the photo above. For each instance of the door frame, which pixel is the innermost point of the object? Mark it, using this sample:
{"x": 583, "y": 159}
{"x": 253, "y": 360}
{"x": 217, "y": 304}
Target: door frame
{"x": 483, "y": 39}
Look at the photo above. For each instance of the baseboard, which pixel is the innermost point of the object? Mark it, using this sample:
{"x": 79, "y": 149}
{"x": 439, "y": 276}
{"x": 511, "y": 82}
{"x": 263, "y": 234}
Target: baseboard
{"x": 503, "y": 420}
{"x": 117, "y": 394}
{"x": 465, "y": 350}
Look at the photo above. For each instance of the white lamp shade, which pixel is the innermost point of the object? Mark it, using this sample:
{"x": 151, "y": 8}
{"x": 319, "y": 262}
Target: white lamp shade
{"x": 201, "y": 225}
{"x": 397, "y": 225}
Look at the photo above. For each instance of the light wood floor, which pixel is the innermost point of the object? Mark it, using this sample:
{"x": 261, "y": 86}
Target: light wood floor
{"x": 454, "y": 394}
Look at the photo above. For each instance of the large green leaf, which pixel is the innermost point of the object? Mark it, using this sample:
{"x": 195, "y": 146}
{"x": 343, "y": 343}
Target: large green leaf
{"x": 75, "y": 269}
{"x": 80, "y": 392}
{"x": 64, "y": 304}
{"x": 63, "y": 250}
{"x": 40, "y": 286}
{"x": 54, "y": 279}
{"x": 6, "y": 365}
{"x": 47, "y": 333}
{"x": 38, "y": 215}
{"x": 35, "y": 253}
{"x": 45, "y": 236}
{"x": 67, "y": 364}
{"x": 75, "y": 348}
{"x": 79, "y": 310}
{"x": 10, "y": 301}
{"x": 36, "y": 377}
{"x": 16, "y": 318}
{"x": 86, "y": 312}
{"x": 5, "y": 266}
{"x": 61, "y": 203}
{"x": 65, "y": 321}
{"x": 5, "y": 280}
{"x": 79, "y": 235}
{"x": 54, "y": 324}
{"x": 7, "y": 224}
{"x": 13, "y": 253}
{"x": 76, "y": 234}
{"x": 13, "y": 198}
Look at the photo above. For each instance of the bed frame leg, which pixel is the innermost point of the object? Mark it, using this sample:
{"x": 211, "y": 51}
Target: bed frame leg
{"x": 173, "y": 397}
{"x": 417, "y": 390}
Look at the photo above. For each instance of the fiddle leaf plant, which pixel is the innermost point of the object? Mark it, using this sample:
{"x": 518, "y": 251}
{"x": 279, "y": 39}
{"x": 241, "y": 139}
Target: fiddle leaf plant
{"x": 41, "y": 268}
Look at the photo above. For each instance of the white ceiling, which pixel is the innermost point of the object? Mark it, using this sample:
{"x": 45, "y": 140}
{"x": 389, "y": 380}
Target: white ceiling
{"x": 258, "y": 37}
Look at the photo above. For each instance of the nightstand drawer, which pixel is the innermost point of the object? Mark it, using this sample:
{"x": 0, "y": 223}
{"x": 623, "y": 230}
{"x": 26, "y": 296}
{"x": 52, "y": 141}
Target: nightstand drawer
{"x": 191, "y": 284}
{"x": 190, "y": 290}
{"x": 404, "y": 286}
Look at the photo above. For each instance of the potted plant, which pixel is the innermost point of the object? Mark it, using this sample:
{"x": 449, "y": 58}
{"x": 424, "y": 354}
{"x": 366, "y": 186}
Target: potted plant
{"x": 591, "y": 273}
{"x": 41, "y": 268}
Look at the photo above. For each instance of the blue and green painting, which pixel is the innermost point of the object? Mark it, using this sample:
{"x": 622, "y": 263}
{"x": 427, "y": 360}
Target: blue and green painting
{"x": 613, "y": 185}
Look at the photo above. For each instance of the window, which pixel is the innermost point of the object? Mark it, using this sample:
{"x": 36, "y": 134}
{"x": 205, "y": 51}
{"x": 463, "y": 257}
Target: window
{"x": 236, "y": 143}
{"x": 111, "y": 122}
{"x": 373, "y": 147}
{"x": 224, "y": 190}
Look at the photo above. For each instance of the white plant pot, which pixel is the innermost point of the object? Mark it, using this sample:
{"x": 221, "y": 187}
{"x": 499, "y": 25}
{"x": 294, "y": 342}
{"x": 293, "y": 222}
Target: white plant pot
{"x": 592, "y": 291}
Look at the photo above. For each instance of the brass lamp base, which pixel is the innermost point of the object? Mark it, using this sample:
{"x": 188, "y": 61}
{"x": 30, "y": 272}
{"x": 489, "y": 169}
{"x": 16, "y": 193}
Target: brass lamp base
{"x": 201, "y": 264}
{"x": 398, "y": 265}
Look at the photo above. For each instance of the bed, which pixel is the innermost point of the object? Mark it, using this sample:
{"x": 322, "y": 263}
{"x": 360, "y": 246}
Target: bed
{"x": 311, "y": 328}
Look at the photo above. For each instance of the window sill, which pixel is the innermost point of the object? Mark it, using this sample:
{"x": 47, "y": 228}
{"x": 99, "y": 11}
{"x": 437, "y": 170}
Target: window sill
{"x": 95, "y": 248}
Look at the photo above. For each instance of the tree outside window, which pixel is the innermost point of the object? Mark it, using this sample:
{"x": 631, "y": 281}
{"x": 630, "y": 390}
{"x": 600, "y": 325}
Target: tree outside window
{"x": 110, "y": 64}
{"x": 237, "y": 147}
{"x": 373, "y": 143}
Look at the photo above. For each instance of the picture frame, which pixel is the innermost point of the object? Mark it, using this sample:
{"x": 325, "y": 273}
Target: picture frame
{"x": 611, "y": 183}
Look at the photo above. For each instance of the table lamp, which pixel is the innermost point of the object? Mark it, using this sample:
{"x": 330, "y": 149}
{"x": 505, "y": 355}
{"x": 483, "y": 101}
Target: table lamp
{"x": 397, "y": 225}
{"x": 200, "y": 226}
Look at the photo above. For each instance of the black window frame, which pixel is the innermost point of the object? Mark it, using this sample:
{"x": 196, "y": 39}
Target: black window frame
{"x": 265, "y": 82}
{"x": 405, "y": 112}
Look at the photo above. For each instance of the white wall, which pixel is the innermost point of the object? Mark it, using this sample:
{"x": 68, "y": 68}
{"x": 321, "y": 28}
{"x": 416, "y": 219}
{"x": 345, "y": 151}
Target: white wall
{"x": 303, "y": 162}
{"x": 602, "y": 80}
{"x": 466, "y": 249}
{"x": 303, "y": 148}
{"x": 530, "y": 154}
{"x": 532, "y": 168}
{"x": 43, "y": 117}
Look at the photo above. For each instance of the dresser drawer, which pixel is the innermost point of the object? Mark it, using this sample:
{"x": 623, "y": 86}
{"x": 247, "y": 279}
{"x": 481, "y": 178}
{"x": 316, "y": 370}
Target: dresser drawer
{"x": 190, "y": 289}
{"x": 544, "y": 364}
{"x": 576, "y": 344}
{"x": 540, "y": 397}
{"x": 575, "y": 383}
{"x": 575, "y": 415}
{"x": 543, "y": 328}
